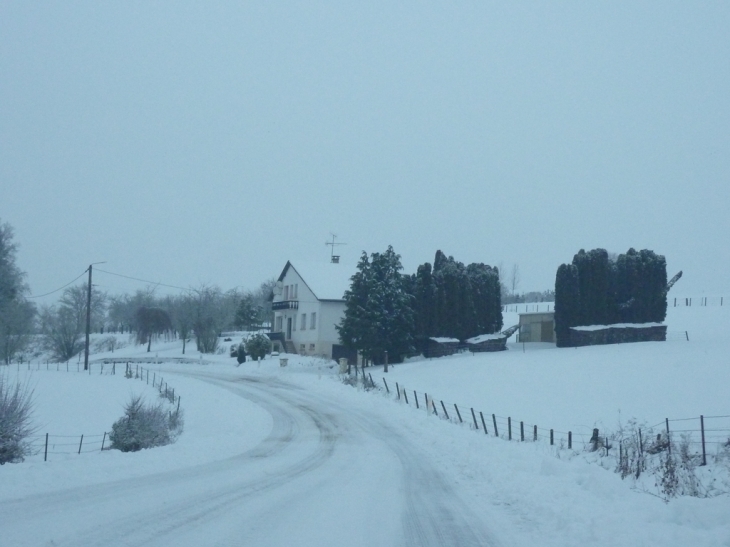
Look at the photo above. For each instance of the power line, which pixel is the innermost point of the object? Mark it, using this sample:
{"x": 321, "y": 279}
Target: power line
{"x": 143, "y": 280}
{"x": 66, "y": 285}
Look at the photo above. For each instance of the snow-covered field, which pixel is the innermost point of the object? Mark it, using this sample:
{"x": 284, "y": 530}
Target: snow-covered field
{"x": 276, "y": 455}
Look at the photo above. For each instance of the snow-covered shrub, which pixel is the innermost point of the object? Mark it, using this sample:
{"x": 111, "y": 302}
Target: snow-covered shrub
{"x": 16, "y": 409}
{"x": 145, "y": 426}
{"x": 257, "y": 346}
{"x": 645, "y": 458}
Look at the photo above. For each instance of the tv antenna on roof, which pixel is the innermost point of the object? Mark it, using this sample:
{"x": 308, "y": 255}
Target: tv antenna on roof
{"x": 335, "y": 259}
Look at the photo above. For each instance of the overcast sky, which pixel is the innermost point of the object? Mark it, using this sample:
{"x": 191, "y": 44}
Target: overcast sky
{"x": 212, "y": 142}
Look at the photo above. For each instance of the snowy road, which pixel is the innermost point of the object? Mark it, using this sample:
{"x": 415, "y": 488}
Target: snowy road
{"x": 325, "y": 475}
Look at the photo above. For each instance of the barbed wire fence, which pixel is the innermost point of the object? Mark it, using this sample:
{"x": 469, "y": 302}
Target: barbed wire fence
{"x": 670, "y": 451}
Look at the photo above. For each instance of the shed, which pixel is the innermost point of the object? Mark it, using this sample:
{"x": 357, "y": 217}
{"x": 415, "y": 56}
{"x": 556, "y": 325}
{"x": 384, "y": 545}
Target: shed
{"x": 537, "y": 327}
{"x": 487, "y": 342}
{"x": 439, "y": 346}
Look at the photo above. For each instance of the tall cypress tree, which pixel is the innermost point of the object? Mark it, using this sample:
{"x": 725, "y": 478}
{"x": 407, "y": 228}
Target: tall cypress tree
{"x": 486, "y": 296}
{"x": 424, "y": 293}
{"x": 568, "y": 309}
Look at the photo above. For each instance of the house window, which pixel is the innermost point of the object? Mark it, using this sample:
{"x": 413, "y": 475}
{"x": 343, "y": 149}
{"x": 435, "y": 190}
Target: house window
{"x": 279, "y": 323}
{"x": 302, "y": 348}
{"x": 295, "y": 288}
{"x": 304, "y": 321}
{"x": 313, "y": 324}
{"x": 286, "y": 292}
{"x": 311, "y": 347}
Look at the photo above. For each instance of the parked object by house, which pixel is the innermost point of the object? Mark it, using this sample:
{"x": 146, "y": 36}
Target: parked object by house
{"x": 487, "y": 342}
{"x": 537, "y": 327}
{"x": 308, "y": 301}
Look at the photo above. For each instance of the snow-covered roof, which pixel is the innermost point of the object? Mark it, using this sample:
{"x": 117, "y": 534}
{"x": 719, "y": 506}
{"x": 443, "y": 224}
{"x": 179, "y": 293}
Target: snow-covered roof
{"x": 484, "y": 337}
{"x": 443, "y": 340}
{"x": 326, "y": 280}
{"x": 618, "y": 326}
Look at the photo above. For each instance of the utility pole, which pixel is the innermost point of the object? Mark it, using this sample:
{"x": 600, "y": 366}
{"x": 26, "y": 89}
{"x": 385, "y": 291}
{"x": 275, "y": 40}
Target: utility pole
{"x": 88, "y": 318}
{"x": 88, "y": 322}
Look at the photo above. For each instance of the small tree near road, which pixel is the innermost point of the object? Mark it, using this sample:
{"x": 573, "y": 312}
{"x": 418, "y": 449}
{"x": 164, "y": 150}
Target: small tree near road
{"x": 257, "y": 346}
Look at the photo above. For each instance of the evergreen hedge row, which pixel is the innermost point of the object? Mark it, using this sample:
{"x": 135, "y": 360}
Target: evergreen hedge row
{"x": 456, "y": 301}
{"x": 596, "y": 289}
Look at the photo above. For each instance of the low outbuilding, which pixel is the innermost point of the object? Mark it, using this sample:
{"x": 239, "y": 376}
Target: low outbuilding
{"x": 438, "y": 346}
{"x": 487, "y": 342}
{"x": 537, "y": 327}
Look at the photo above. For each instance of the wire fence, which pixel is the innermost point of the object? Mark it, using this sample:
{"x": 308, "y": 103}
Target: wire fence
{"x": 631, "y": 450}
{"x": 674, "y": 302}
{"x": 47, "y": 444}
{"x": 534, "y": 307}
{"x": 701, "y": 301}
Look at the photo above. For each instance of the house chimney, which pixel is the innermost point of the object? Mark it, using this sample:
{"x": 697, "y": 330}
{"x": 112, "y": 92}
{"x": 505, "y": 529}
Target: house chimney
{"x": 335, "y": 259}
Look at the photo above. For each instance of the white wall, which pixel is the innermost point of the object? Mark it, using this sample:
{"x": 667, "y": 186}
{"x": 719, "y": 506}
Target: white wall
{"x": 329, "y": 314}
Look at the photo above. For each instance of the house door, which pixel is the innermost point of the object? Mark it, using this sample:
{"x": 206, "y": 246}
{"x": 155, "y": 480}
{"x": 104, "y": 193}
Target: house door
{"x": 288, "y": 328}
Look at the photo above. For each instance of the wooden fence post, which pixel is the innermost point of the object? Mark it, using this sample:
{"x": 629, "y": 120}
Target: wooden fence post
{"x": 509, "y": 428}
{"x": 484, "y": 424}
{"x": 552, "y": 438}
{"x": 386, "y": 386}
{"x": 81, "y": 442}
{"x": 397, "y": 389}
{"x": 669, "y": 441}
{"x": 621, "y": 454}
{"x": 415, "y": 396}
{"x": 405, "y": 395}
{"x": 534, "y": 433}
{"x": 458, "y": 414}
{"x": 522, "y": 431}
{"x": 102, "y": 442}
{"x": 45, "y": 453}
{"x": 570, "y": 440}
{"x": 444, "y": 407}
{"x": 476, "y": 425}
{"x": 702, "y": 427}
{"x": 494, "y": 421}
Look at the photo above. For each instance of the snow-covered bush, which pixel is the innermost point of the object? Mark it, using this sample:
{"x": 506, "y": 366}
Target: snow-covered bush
{"x": 145, "y": 426}
{"x": 257, "y": 346}
{"x": 241, "y": 353}
{"x": 16, "y": 409}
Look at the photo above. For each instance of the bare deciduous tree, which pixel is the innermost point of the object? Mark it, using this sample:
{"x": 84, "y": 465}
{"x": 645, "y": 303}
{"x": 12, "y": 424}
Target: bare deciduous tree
{"x": 514, "y": 278}
{"x": 151, "y": 322}
{"x": 210, "y": 317}
{"x": 16, "y": 313}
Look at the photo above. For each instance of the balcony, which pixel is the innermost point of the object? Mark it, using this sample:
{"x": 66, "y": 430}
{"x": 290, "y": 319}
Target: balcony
{"x": 285, "y": 305}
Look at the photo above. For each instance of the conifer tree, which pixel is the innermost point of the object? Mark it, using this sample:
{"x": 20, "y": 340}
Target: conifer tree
{"x": 567, "y": 303}
{"x": 378, "y": 309}
{"x": 424, "y": 293}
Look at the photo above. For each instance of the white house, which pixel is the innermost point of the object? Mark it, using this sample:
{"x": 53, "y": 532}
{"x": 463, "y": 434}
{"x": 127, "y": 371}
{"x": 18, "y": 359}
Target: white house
{"x": 308, "y": 302}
